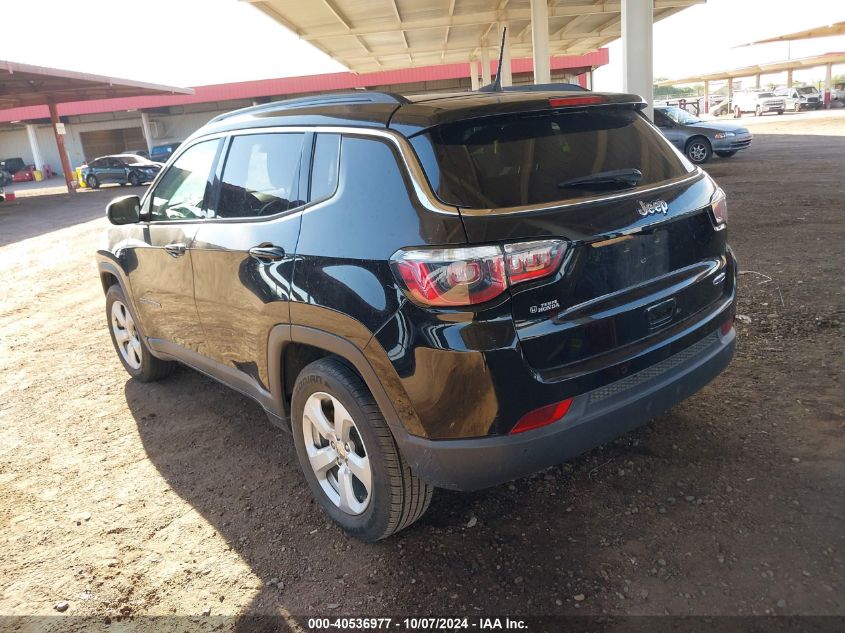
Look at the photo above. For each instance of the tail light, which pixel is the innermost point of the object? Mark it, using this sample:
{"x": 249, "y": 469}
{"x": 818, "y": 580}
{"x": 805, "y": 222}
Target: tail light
{"x": 563, "y": 102}
{"x": 719, "y": 205}
{"x": 466, "y": 276}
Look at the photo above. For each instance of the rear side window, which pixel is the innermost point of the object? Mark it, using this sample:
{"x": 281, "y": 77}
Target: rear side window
{"x": 260, "y": 176}
{"x": 540, "y": 158}
{"x": 325, "y": 166}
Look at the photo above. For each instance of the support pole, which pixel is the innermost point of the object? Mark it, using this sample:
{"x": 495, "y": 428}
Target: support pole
{"x": 706, "y": 96}
{"x": 473, "y": 74}
{"x": 731, "y": 92}
{"x": 37, "y": 157}
{"x": 540, "y": 41}
{"x": 757, "y": 81}
{"x": 148, "y": 136}
{"x": 505, "y": 70}
{"x": 637, "y": 50}
{"x": 70, "y": 177}
{"x": 486, "y": 78}
{"x": 789, "y": 78}
{"x": 828, "y": 84}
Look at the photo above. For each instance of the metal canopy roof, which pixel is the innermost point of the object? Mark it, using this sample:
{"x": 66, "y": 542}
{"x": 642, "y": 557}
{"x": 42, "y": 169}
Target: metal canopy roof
{"x": 761, "y": 69}
{"x": 369, "y": 35}
{"x": 829, "y": 30}
{"x": 25, "y": 85}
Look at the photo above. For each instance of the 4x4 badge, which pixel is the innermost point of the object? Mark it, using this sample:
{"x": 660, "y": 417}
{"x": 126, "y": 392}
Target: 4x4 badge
{"x": 650, "y": 208}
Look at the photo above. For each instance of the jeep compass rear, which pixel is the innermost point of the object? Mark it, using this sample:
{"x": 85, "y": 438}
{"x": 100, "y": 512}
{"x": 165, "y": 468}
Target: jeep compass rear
{"x": 438, "y": 291}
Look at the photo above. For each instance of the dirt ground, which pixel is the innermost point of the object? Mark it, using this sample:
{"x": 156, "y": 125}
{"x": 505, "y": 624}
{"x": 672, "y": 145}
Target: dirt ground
{"x": 179, "y": 498}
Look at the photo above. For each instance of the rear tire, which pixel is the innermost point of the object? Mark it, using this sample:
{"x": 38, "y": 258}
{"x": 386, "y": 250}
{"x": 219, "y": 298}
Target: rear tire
{"x": 698, "y": 150}
{"x": 726, "y": 154}
{"x": 129, "y": 342}
{"x": 92, "y": 181}
{"x": 340, "y": 433}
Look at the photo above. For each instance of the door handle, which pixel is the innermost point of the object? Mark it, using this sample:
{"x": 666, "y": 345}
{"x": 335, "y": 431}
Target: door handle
{"x": 267, "y": 253}
{"x": 175, "y": 250}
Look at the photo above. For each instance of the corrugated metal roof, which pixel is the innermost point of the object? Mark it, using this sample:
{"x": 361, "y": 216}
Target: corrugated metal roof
{"x": 24, "y": 85}
{"x": 292, "y": 85}
{"x": 367, "y": 35}
{"x": 761, "y": 69}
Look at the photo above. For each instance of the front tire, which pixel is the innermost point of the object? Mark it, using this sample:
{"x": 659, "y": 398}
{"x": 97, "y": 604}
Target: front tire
{"x": 92, "y": 181}
{"x": 758, "y": 111}
{"x": 698, "y": 150}
{"x": 134, "y": 180}
{"x": 129, "y": 342}
{"x": 737, "y": 113}
{"x": 348, "y": 455}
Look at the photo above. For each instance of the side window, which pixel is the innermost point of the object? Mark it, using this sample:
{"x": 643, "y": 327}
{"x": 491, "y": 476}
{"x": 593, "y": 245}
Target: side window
{"x": 661, "y": 120}
{"x": 324, "y": 171}
{"x": 183, "y": 191}
{"x": 261, "y": 175}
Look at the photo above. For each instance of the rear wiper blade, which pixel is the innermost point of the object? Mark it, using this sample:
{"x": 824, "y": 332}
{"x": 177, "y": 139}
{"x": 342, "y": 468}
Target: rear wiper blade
{"x": 611, "y": 179}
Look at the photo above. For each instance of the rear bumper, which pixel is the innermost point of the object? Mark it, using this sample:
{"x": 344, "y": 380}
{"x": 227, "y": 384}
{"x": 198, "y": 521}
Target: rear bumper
{"x": 594, "y": 418}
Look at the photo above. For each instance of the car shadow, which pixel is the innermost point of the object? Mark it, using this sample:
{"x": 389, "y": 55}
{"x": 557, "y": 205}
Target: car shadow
{"x": 521, "y": 548}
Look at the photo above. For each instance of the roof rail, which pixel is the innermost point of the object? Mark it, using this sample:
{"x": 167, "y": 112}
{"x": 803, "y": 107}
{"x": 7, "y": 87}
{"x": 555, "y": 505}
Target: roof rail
{"x": 358, "y": 96}
{"x": 564, "y": 87}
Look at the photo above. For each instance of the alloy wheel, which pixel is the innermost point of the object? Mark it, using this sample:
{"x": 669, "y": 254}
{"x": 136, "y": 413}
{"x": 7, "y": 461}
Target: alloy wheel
{"x": 126, "y": 334}
{"x": 337, "y": 453}
{"x": 697, "y": 152}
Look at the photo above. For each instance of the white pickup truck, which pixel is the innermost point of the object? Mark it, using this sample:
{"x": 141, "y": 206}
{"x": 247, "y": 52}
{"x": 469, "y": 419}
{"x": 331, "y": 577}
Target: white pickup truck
{"x": 803, "y": 98}
{"x": 758, "y": 102}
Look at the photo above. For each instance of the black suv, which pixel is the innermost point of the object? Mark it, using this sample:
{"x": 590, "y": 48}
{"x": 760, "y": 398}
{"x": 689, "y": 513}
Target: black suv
{"x": 434, "y": 291}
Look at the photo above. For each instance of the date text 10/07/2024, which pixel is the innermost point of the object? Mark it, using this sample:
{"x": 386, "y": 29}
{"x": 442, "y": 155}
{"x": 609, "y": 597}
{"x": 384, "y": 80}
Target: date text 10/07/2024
{"x": 412, "y": 624}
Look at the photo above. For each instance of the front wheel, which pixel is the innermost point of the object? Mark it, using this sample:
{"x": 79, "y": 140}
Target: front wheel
{"x": 796, "y": 107}
{"x": 726, "y": 154}
{"x": 758, "y": 111}
{"x": 699, "y": 150}
{"x": 92, "y": 181}
{"x": 129, "y": 342}
{"x": 134, "y": 180}
{"x": 348, "y": 455}
{"x": 737, "y": 112}
{"x": 780, "y": 112}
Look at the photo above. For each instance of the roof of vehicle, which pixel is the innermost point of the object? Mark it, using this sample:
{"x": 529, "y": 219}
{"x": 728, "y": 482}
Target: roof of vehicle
{"x": 407, "y": 114}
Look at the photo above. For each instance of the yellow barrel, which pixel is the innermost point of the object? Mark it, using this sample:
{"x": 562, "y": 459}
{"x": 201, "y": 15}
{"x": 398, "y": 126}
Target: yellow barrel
{"x": 38, "y": 175}
{"x": 79, "y": 177}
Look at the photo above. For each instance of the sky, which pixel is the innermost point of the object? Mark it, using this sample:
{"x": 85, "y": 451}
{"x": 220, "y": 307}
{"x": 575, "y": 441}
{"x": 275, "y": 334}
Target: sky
{"x": 198, "y": 42}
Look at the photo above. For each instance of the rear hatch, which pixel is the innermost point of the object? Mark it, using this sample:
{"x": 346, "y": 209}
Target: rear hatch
{"x": 645, "y": 257}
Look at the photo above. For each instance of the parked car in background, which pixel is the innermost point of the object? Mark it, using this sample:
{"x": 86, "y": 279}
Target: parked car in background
{"x": 162, "y": 153}
{"x": 18, "y": 169}
{"x": 797, "y": 99}
{"x": 437, "y": 291}
{"x": 138, "y": 152}
{"x": 124, "y": 169}
{"x": 756, "y": 101}
{"x": 698, "y": 139}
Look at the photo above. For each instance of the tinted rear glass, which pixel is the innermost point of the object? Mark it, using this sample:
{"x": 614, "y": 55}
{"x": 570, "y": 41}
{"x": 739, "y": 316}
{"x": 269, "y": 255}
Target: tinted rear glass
{"x": 521, "y": 160}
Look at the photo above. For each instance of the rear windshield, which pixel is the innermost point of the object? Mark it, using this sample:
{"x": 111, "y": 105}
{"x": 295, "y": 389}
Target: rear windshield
{"x": 540, "y": 158}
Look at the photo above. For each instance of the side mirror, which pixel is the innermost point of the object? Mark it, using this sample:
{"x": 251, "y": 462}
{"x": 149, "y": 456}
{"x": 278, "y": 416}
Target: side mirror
{"x": 124, "y": 210}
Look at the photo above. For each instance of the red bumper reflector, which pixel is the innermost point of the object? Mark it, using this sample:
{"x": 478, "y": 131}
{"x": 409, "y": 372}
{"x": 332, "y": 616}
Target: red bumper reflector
{"x": 562, "y": 102}
{"x": 727, "y": 325}
{"x": 542, "y": 416}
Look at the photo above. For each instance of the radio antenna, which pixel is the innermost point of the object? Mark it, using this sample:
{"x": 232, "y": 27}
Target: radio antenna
{"x": 496, "y": 86}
